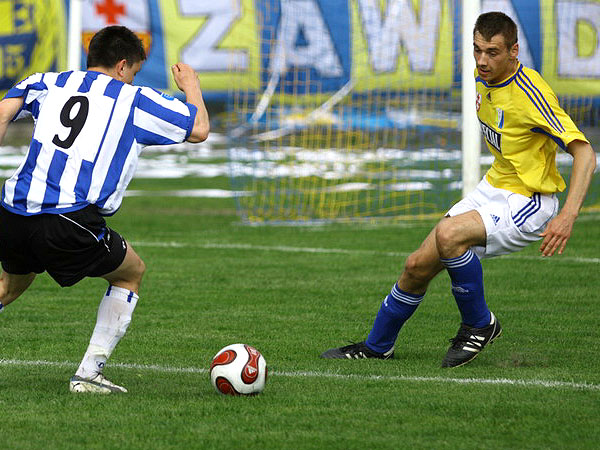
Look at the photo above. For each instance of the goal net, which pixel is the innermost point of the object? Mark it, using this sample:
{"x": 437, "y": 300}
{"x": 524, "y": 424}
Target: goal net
{"x": 357, "y": 114}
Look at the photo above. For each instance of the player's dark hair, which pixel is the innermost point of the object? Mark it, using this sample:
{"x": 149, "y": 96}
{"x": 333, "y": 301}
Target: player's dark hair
{"x": 492, "y": 23}
{"x": 112, "y": 44}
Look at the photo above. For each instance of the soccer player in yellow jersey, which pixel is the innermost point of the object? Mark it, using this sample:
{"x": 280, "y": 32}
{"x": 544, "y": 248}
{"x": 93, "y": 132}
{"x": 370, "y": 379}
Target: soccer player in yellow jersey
{"x": 514, "y": 204}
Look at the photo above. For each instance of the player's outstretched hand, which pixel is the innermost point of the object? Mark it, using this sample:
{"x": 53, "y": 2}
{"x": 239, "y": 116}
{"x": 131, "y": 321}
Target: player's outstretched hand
{"x": 185, "y": 77}
{"x": 557, "y": 234}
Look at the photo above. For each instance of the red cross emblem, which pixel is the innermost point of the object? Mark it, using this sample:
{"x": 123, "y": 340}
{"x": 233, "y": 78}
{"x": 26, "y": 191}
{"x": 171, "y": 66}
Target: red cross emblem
{"x": 111, "y": 10}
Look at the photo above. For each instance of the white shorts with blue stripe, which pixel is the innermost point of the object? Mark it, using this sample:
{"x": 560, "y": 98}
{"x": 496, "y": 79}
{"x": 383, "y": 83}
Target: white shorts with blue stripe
{"x": 512, "y": 221}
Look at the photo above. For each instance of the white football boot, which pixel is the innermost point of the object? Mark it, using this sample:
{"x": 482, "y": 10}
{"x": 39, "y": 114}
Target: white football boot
{"x": 97, "y": 385}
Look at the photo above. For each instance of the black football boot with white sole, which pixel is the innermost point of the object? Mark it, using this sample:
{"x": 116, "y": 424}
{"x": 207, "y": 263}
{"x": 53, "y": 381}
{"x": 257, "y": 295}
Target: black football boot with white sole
{"x": 469, "y": 342}
{"x": 357, "y": 350}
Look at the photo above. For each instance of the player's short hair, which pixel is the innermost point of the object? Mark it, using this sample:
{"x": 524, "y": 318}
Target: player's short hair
{"x": 492, "y": 23}
{"x": 112, "y": 44}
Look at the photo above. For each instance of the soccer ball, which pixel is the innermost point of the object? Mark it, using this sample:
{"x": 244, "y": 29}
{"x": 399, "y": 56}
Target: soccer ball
{"x": 238, "y": 369}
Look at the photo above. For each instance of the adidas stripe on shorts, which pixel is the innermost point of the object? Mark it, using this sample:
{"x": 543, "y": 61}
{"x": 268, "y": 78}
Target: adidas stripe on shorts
{"x": 512, "y": 221}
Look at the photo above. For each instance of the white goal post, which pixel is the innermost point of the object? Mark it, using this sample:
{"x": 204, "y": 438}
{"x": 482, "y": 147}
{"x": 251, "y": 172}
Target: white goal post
{"x": 471, "y": 136}
{"x": 74, "y": 35}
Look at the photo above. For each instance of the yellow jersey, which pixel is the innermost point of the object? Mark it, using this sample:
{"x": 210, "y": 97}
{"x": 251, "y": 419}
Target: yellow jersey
{"x": 523, "y": 126}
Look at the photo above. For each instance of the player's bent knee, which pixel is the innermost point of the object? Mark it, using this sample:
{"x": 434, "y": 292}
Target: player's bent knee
{"x": 140, "y": 269}
{"x": 133, "y": 266}
{"x": 447, "y": 236}
{"x": 416, "y": 268}
{"x": 411, "y": 265}
{"x": 135, "y": 273}
{"x": 129, "y": 274}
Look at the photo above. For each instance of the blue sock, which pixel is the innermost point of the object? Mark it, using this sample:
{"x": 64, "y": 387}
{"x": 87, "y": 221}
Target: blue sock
{"x": 396, "y": 309}
{"x": 466, "y": 275}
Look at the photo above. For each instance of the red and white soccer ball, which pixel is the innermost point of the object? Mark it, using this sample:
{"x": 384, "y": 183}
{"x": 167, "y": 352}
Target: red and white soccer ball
{"x": 238, "y": 369}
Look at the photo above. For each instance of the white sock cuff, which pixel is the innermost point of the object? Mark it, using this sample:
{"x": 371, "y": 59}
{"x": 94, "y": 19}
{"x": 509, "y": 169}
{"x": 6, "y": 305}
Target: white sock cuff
{"x": 124, "y": 295}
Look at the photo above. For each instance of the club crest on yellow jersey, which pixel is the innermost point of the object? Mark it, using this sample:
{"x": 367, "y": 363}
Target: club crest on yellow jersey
{"x": 500, "y": 115}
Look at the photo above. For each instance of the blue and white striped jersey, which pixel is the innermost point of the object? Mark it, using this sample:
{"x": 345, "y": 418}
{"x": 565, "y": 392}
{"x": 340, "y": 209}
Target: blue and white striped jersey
{"x": 89, "y": 131}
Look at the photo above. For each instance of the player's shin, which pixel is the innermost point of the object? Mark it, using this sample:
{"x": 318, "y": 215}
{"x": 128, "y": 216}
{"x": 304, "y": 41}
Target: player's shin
{"x": 395, "y": 309}
{"x": 114, "y": 316}
{"x": 466, "y": 275}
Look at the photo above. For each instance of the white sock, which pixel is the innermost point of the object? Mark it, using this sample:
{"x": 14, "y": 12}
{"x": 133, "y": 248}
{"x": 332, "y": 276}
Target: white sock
{"x": 114, "y": 316}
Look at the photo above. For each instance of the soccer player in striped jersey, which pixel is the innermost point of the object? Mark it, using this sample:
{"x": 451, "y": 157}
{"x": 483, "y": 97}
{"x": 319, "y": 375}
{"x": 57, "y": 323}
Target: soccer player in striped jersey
{"x": 90, "y": 127}
{"x": 514, "y": 204}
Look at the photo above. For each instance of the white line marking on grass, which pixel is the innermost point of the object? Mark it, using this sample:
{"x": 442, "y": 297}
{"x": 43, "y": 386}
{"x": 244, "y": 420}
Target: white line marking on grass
{"x": 498, "y": 381}
{"x": 276, "y": 248}
{"x": 338, "y": 376}
{"x": 191, "y": 193}
{"x": 282, "y": 248}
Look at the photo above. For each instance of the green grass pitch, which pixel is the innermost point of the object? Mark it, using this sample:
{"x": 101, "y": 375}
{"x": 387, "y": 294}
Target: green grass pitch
{"x": 293, "y": 292}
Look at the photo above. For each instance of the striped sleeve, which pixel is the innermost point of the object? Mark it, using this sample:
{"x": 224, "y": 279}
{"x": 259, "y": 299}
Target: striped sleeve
{"x": 32, "y": 89}
{"x": 161, "y": 119}
{"x": 544, "y": 111}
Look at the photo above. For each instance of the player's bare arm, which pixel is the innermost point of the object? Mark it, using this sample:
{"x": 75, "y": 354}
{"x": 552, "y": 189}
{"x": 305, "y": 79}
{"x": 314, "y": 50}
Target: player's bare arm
{"x": 560, "y": 228}
{"x": 187, "y": 81}
{"x": 8, "y": 108}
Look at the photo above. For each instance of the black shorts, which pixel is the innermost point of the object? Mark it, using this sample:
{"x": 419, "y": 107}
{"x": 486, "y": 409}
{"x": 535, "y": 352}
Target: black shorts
{"x": 69, "y": 246}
